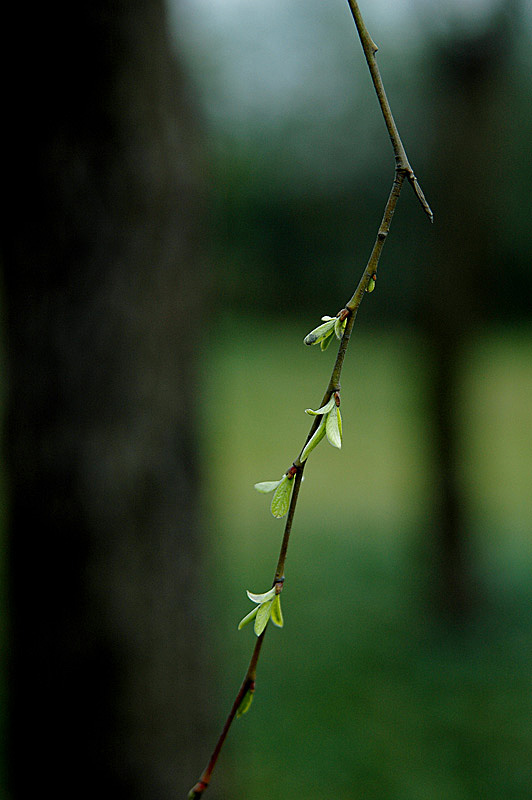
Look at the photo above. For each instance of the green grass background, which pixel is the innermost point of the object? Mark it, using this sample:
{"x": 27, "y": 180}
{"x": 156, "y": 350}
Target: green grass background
{"x": 364, "y": 694}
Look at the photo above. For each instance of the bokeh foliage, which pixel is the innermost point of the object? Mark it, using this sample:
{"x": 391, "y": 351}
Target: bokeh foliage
{"x": 365, "y": 692}
{"x": 368, "y": 692}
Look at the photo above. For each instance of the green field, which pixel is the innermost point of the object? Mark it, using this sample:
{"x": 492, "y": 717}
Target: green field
{"x": 364, "y": 693}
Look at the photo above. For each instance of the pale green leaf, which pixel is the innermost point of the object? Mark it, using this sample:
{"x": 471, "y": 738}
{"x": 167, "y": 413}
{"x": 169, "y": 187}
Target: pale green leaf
{"x": 323, "y": 410}
{"x": 324, "y": 344}
{"x": 281, "y": 497}
{"x": 327, "y": 319}
{"x": 245, "y": 703}
{"x": 315, "y": 440}
{"x": 320, "y": 332}
{"x": 261, "y": 598}
{"x": 339, "y": 328}
{"x": 267, "y": 486}
{"x": 263, "y": 615}
{"x": 333, "y": 427}
{"x": 276, "y": 613}
{"x": 248, "y": 618}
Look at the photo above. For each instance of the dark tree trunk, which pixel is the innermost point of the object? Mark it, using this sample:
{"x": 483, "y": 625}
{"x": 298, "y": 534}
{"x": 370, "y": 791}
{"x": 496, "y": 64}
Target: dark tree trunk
{"x": 102, "y": 290}
{"x": 469, "y": 69}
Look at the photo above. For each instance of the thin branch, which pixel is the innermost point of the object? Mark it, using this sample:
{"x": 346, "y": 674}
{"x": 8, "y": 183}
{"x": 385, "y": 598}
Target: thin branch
{"x": 247, "y": 683}
{"x": 279, "y": 572}
{"x": 251, "y": 673}
{"x": 402, "y": 170}
{"x": 401, "y": 159}
{"x": 373, "y": 263}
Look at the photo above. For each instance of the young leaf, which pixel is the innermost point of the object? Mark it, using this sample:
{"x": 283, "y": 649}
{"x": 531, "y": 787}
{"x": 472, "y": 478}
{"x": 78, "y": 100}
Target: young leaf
{"x": 263, "y": 615}
{"x": 339, "y": 326}
{"x": 315, "y": 440}
{"x": 276, "y": 613}
{"x": 323, "y": 410}
{"x": 334, "y": 427}
{"x": 261, "y": 598}
{"x": 267, "y": 486}
{"x": 248, "y": 618}
{"x": 281, "y": 497}
{"x": 245, "y": 703}
{"x": 324, "y": 344}
{"x": 320, "y": 332}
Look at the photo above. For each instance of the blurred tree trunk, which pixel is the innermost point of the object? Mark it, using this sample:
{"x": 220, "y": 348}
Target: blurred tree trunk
{"x": 102, "y": 296}
{"x": 468, "y": 72}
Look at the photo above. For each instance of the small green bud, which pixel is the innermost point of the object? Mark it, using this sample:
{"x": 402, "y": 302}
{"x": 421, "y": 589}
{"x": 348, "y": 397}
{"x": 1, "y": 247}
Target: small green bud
{"x": 268, "y": 605}
{"x": 330, "y": 425}
{"x": 371, "y": 285}
{"x": 245, "y": 703}
{"x": 276, "y": 613}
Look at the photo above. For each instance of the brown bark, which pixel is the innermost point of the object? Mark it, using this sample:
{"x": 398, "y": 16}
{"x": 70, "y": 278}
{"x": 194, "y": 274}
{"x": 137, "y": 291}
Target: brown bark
{"x": 102, "y": 290}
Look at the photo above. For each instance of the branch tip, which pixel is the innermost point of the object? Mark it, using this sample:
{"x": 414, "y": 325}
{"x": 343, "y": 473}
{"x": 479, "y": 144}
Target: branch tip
{"x": 197, "y": 791}
{"x": 420, "y": 196}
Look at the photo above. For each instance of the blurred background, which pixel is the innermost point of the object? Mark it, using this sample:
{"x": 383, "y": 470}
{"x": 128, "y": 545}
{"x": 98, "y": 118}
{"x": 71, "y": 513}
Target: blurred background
{"x": 191, "y": 186}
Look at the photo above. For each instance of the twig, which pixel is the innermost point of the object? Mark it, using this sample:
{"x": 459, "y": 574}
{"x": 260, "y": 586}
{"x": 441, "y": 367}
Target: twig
{"x": 402, "y": 170}
{"x": 401, "y": 160}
